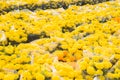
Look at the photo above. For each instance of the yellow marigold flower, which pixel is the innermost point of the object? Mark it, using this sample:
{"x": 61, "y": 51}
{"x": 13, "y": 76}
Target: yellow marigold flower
{"x": 1, "y": 48}
{"x": 107, "y": 64}
{"x": 13, "y": 56}
{"x": 39, "y": 76}
{"x": 67, "y": 78}
{"x": 115, "y": 75}
{"x": 9, "y": 49}
{"x": 20, "y": 71}
{"x": 55, "y": 77}
{"x": 110, "y": 75}
{"x": 78, "y": 55}
{"x": 23, "y": 39}
{"x": 26, "y": 75}
{"x": 63, "y": 73}
{"x": 2, "y": 75}
{"x": 101, "y": 77}
{"x": 10, "y": 77}
{"x": 86, "y": 59}
{"x": 90, "y": 70}
{"x": 89, "y": 78}
{"x": 80, "y": 77}
{"x": 117, "y": 56}
{"x": 117, "y": 70}
{"x": 96, "y": 58}
{"x": 78, "y": 73}
{"x": 47, "y": 74}
{"x": 9, "y": 66}
{"x": 2, "y": 63}
{"x": 83, "y": 65}
{"x": 49, "y": 61}
{"x": 72, "y": 50}
{"x": 99, "y": 72}
{"x": 99, "y": 65}
{"x": 91, "y": 63}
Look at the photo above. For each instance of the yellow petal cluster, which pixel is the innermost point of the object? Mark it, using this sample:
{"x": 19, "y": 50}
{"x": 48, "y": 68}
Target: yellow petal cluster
{"x": 78, "y": 43}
